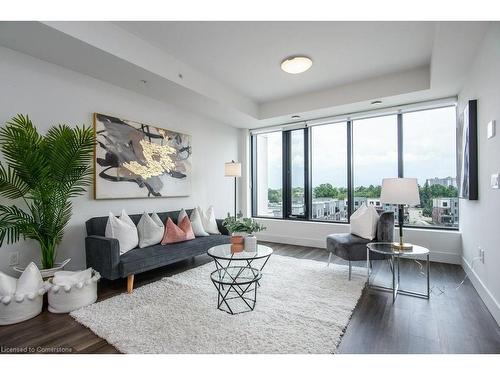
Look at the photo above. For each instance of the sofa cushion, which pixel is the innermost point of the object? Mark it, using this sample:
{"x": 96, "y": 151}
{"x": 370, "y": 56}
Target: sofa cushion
{"x": 140, "y": 260}
{"x": 385, "y": 227}
{"x": 208, "y": 220}
{"x": 150, "y": 230}
{"x": 96, "y": 226}
{"x": 364, "y": 222}
{"x": 177, "y": 233}
{"x": 197, "y": 224}
{"x": 349, "y": 246}
{"x": 124, "y": 230}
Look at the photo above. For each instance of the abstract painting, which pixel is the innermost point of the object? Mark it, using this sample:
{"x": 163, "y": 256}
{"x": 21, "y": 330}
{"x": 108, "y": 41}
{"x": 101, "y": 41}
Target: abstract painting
{"x": 467, "y": 169}
{"x": 135, "y": 160}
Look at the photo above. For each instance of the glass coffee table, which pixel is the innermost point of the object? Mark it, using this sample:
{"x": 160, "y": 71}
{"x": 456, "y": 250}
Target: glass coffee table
{"x": 394, "y": 256}
{"x": 224, "y": 256}
{"x": 237, "y": 276}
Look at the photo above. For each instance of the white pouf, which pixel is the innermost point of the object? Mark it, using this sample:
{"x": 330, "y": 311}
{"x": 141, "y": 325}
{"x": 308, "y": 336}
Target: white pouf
{"x": 64, "y": 299}
{"x": 18, "y": 308}
{"x": 21, "y": 299}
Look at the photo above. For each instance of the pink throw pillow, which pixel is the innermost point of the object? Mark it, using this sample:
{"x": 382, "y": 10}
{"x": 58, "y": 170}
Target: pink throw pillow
{"x": 174, "y": 233}
{"x": 187, "y": 228}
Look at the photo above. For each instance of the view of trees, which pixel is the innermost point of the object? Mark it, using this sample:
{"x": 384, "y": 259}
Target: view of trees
{"x": 328, "y": 191}
{"x": 274, "y": 195}
{"x": 427, "y": 193}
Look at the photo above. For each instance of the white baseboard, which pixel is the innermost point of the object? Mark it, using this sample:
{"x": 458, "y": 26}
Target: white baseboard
{"x": 299, "y": 241}
{"x": 485, "y": 294}
{"x": 442, "y": 257}
{"x": 436, "y": 256}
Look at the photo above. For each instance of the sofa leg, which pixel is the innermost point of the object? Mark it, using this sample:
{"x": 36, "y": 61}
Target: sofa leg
{"x": 130, "y": 283}
{"x": 329, "y": 259}
{"x": 350, "y": 269}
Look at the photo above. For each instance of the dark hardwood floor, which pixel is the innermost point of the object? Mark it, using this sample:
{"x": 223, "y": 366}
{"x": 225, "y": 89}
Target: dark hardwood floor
{"x": 452, "y": 321}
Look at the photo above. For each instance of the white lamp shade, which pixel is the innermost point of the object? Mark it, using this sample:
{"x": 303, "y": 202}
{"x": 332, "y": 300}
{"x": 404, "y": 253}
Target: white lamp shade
{"x": 400, "y": 191}
{"x": 232, "y": 169}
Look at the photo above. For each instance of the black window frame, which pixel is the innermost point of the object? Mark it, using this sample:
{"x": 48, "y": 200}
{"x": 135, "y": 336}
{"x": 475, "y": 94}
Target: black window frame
{"x": 286, "y": 171}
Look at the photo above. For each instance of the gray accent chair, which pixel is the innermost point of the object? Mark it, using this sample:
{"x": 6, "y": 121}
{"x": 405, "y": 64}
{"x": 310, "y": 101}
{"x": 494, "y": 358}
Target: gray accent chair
{"x": 103, "y": 253}
{"x": 353, "y": 248}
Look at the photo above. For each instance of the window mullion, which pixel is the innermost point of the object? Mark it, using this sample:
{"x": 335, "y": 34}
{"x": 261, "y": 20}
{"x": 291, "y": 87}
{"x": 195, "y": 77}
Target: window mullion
{"x": 307, "y": 175}
{"x": 350, "y": 185}
{"x": 400, "y": 145}
{"x": 287, "y": 196}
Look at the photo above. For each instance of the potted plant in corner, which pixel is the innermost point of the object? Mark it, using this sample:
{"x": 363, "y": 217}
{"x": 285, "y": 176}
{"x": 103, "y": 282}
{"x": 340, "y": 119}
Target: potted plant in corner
{"x": 41, "y": 173}
{"x": 242, "y": 232}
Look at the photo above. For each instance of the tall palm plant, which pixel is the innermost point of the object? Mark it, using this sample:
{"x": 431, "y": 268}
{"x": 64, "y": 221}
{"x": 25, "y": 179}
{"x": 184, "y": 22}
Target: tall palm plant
{"x": 42, "y": 173}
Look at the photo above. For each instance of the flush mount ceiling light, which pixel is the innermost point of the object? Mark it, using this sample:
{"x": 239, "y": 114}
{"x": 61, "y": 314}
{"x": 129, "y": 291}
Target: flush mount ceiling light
{"x": 296, "y": 64}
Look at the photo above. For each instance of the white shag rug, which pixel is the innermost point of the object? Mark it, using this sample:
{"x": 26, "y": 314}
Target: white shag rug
{"x": 302, "y": 307}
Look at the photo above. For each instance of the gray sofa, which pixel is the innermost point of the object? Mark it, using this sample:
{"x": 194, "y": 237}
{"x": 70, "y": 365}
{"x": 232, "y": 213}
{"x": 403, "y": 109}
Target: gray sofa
{"x": 351, "y": 247}
{"x": 103, "y": 254}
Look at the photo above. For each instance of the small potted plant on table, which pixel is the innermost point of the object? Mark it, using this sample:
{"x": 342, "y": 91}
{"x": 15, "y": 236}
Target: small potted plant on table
{"x": 242, "y": 232}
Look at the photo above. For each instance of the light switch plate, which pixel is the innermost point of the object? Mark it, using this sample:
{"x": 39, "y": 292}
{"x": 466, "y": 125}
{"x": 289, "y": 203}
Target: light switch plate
{"x": 495, "y": 181}
{"x": 491, "y": 129}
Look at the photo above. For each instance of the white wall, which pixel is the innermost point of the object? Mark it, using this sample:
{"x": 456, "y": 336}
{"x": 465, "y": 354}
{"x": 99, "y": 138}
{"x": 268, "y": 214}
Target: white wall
{"x": 480, "y": 220}
{"x": 51, "y": 94}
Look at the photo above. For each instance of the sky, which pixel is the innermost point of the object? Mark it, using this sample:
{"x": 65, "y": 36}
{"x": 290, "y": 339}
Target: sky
{"x": 428, "y": 150}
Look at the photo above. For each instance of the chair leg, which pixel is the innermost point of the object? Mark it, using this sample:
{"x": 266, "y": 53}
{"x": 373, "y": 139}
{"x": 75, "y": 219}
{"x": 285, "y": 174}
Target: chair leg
{"x": 130, "y": 283}
{"x": 350, "y": 269}
{"x": 329, "y": 259}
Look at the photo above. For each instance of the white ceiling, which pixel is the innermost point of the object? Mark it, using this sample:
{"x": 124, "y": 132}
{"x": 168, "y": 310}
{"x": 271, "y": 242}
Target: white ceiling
{"x": 230, "y": 71}
{"x": 246, "y": 55}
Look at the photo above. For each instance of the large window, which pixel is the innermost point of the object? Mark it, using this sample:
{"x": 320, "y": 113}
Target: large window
{"x": 375, "y": 156}
{"x": 329, "y": 172}
{"x": 325, "y": 172}
{"x": 429, "y": 155}
{"x": 268, "y": 170}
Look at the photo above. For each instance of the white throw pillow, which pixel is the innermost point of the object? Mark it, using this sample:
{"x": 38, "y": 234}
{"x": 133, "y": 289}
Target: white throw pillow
{"x": 208, "y": 220}
{"x": 124, "y": 230}
{"x": 8, "y": 285}
{"x": 197, "y": 224}
{"x": 70, "y": 278}
{"x": 150, "y": 230}
{"x": 181, "y": 216}
{"x": 364, "y": 222}
{"x": 30, "y": 280}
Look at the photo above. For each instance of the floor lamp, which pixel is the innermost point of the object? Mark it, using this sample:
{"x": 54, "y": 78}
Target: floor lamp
{"x": 233, "y": 169}
{"x": 400, "y": 191}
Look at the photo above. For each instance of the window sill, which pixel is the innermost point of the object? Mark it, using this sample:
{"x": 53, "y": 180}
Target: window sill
{"x": 343, "y": 223}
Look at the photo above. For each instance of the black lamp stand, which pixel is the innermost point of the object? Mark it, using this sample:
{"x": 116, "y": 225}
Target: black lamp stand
{"x": 401, "y": 219}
